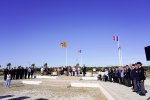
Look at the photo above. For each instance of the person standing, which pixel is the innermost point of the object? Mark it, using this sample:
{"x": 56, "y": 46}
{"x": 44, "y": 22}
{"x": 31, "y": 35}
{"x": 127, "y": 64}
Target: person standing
{"x": 15, "y": 73}
{"x": 131, "y": 75}
{"x": 135, "y": 76}
{"x": 21, "y": 72}
{"x": 79, "y": 71}
{"x": 119, "y": 74}
{"x": 73, "y": 71}
{"x": 110, "y": 74}
{"x": 42, "y": 70}
{"x": 141, "y": 79}
{"x": 25, "y": 72}
{"x": 5, "y": 73}
{"x": 8, "y": 80}
{"x": 12, "y": 73}
{"x": 128, "y": 72}
{"x": 113, "y": 75}
{"x": 116, "y": 75}
{"x": 29, "y": 72}
{"x": 106, "y": 75}
{"x": 84, "y": 70}
{"x": 32, "y": 72}
{"x": 122, "y": 76}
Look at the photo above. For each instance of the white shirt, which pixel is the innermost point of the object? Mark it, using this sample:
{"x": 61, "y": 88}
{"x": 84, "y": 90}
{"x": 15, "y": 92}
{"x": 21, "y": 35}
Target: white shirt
{"x": 29, "y": 70}
{"x": 106, "y": 73}
{"x": 8, "y": 77}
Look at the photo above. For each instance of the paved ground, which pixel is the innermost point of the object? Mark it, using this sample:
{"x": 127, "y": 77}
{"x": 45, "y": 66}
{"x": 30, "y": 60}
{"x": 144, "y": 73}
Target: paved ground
{"x": 50, "y": 89}
{"x": 121, "y": 92}
{"x": 59, "y": 88}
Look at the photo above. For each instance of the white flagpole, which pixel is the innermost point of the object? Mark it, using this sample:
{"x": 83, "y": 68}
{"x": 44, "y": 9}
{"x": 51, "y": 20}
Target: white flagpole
{"x": 121, "y": 57}
{"x": 119, "y": 52}
{"x": 66, "y": 57}
{"x": 81, "y": 60}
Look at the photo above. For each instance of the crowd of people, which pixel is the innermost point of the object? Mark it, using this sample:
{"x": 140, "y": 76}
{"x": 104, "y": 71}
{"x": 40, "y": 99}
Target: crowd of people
{"x": 19, "y": 73}
{"x": 67, "y": 71}
{"x": 132, "y": 76}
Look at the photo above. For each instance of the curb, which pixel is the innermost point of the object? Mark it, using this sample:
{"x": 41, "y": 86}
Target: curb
{"x": 32, "y": 82}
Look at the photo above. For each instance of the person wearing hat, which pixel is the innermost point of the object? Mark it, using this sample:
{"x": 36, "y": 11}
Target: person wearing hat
{"x": 141, "y": 79}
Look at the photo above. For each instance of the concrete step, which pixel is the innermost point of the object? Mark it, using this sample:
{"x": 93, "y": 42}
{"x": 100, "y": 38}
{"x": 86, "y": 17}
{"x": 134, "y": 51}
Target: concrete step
{"x": 69, "y": 78}
{"x": 60, "y": 84}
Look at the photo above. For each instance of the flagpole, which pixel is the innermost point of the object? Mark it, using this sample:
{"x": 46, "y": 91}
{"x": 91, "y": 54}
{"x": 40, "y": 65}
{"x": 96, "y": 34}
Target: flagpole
{"x": 81, "y": 60}
{"x": 121, "y": 57}
{"x": 66, "y": 57}
{"x": 119, "y": 52}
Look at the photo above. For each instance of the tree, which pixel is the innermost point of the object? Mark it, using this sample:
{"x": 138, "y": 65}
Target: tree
{"x": 33, "y": 65}
{"x": 8, "y": 65}
{"x": 77, "y": 65}
{"x": 45, "y": 65}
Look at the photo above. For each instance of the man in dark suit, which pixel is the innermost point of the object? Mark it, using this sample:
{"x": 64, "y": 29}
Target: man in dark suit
{"x": 135, "y": 77}
{"x": 141, "y": 78}
{"x": 15, "y": 73}
{"x": 84, "y": 70}
{"x": 110, "y": 74}
{"x": 5, "y": 73}
{"x": 128, "y": 72}
{"x": 25, "y": 72}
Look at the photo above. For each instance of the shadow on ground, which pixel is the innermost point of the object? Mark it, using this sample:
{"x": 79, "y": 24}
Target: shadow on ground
{"x": 20, "y": 98}
{"x": 41, "y": 99}
{"x": 17, "y": 98}
{"x": 6, "y": 96}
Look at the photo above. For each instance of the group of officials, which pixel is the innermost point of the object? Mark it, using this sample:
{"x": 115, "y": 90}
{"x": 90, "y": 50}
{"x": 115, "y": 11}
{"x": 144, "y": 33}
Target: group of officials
{"x": 133, "y": 76}
{"x": 19, "y": 73}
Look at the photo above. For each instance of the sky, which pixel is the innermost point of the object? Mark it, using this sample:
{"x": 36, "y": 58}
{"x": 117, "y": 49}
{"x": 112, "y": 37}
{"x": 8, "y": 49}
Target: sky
{"x": 31, "y": 31}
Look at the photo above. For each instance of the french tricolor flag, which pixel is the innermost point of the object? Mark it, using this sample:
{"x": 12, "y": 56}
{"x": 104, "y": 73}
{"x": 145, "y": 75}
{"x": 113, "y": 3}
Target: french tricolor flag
{"x": 116, "y": 38}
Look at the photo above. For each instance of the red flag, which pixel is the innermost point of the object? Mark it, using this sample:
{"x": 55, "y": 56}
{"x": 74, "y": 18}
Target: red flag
{"x": 114, "y": 38}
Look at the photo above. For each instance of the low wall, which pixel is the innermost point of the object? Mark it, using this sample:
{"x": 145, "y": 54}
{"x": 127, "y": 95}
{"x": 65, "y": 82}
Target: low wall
{"x": 48, "y": 77}
{"x": 90, "y": 78}
{"x": 32, "y": 82}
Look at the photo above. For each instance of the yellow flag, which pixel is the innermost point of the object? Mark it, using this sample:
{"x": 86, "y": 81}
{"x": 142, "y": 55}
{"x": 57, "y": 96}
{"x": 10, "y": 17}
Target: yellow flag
{"x": 63, "y": 44}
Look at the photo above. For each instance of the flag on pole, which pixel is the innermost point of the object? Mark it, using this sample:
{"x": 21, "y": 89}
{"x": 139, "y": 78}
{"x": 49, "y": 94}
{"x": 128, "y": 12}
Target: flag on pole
{"x": 116, "y": 38}
{"x": 80, "y": 51}
{"x": 63, "y": 44}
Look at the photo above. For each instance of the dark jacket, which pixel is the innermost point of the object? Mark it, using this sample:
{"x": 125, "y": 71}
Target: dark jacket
{"x": 141, "y": 73}
{"x": 128, "y": 71}
{"x": 135, "y": 74}
{"x": 131, "y": 74}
